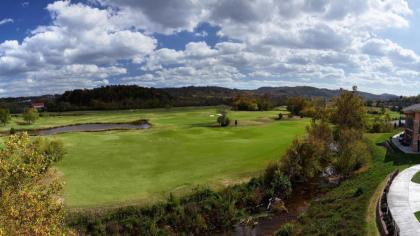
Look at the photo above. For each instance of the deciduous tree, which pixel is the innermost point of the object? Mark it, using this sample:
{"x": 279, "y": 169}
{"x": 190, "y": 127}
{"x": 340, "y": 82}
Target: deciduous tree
{"x": 348, "y": 111}
{"x": 302, "y": 160}
{"x": 29, "y": 199}
{"x": 4, "y": 116}
{"x": 30, "y": 115}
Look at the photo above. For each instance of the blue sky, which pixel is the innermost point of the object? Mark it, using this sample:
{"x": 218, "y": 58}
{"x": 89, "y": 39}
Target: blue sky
{"x": 408, "y": 37}
{"x": 53, "y": 46}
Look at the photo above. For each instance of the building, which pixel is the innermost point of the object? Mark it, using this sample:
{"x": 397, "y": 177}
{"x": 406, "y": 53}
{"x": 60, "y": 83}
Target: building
{"x": 38, "y": 105}
{"x": 412, "y": 129}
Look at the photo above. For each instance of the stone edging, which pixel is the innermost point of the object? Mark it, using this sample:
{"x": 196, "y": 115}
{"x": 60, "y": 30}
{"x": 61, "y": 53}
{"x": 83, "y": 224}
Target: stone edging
{"x": 384, "y": 220}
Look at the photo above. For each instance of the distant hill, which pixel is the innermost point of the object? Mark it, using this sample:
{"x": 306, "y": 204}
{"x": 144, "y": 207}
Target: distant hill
{"x": 308, "y": 91}
{"x": 134, "y": 97}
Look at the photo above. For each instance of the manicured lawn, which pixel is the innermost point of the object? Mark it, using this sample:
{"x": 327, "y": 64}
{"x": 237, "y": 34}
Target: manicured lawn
{"x": 341, "y": 210}
{"x": 187, "y": 116}
{"x": 181, "y": 151}
{"x": 416, "y": 178}
{"x": 417, "y": 214}
{"x": 393, "y": 114}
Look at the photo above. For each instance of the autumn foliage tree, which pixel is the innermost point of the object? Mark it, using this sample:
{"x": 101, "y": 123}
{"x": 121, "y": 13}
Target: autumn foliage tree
{"x": 350, "y": 117}
{"x": 29, "y": 199}
{"x": 349, "y": 111}
{"x": 245, "y": 102}
{"x": 296, "y": 105}
{"x": 344, "y": 148}
{"x": 302, "y": 161}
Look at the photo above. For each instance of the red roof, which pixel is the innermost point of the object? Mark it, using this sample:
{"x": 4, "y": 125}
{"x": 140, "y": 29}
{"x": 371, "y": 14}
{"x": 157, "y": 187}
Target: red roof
{"x": 38, "y": 104}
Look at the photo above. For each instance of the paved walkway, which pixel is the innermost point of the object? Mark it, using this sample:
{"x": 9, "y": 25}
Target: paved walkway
{"x": 404, "y": 201}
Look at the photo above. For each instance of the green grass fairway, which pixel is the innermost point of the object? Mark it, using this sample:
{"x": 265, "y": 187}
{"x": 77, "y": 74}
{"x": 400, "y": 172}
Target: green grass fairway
{"x": 392, "y": 114}
{"x": 181, "y": 151}
{"x": 187, "y": 116}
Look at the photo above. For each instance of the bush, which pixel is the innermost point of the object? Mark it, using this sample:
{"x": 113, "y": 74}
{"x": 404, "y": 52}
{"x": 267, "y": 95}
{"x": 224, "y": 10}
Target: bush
{"x": 223, "y": 120}
{"x": 12, "y": 131}
{"x": 302, "y": 161}
{"x": 353, "y": 151}
{"x": 358, "y": 192}
{"x": 276, "y": 182}
{"x": 382, "y": 125}
{"x": 296, "y": 105}
{"x": 285, "y": 230}
{"x": 280, "y": 116}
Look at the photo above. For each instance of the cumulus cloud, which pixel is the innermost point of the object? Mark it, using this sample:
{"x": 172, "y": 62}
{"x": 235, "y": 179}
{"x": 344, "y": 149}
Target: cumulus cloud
{"x": 79, "y": 43}
{"x": 78, "y": 35}
{"x": 280, "y": 42}
{"x": 266, "y": 42}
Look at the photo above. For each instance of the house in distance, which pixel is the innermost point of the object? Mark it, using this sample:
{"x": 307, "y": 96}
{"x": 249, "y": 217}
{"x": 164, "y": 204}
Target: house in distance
{"x": 39, "y": 106}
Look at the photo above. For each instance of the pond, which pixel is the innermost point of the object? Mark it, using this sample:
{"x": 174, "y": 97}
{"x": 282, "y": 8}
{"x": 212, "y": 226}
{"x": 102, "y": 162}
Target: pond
{"x": 91, "y": 128}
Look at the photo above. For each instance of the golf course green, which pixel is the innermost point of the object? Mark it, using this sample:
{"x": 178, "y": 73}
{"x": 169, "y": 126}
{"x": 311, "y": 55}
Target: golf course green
{"x": 183, "y": 149}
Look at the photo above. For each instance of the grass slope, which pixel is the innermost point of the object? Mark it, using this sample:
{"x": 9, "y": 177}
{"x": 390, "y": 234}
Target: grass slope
{"x": 178, "y": 153}
{"x": 416, "y": 178}
{"x": 417, "y": 214}
{"x": 341, "y": 211}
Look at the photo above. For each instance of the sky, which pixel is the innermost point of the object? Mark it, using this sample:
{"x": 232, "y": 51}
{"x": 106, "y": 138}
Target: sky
{"x": 48, "y": 47}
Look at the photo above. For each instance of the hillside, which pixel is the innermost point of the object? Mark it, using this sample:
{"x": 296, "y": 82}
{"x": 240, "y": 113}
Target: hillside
{"x": 135, "y": 97}
{"x": 308, "y": 91}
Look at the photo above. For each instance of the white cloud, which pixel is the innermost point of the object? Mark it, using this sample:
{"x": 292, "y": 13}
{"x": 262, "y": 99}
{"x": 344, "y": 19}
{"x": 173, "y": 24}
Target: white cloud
{"x": 78, "y": 34}
{"x": 6, "y": 21}
{"x": 289, "y": 42}
{"x": 81, "y": 44}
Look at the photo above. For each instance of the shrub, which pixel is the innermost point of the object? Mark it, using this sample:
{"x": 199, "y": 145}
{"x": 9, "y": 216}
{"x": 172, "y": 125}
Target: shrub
{"x": 29, "y": 190}
{"x": 353, "y": 151}
{"x": 223, "y": 120}
{"x": 296, "y": 105}
{"x": 302, "y": 161}
{"x": 285, "y": 230}
{"x": 358, "y": 192}
{"x": 53, "y": 150}
{"x": 280, "y": 116}
{"x": 382, "y": 125}
{"x": 276, "y": 182}
{"x": 12, "y": 131}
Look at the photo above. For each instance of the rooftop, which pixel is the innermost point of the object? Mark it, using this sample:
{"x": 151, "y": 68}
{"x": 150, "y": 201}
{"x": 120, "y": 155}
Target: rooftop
{"x": 412, "y": 108}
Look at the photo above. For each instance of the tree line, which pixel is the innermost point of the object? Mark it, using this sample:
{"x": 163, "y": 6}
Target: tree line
{"x": 134, "y": 97}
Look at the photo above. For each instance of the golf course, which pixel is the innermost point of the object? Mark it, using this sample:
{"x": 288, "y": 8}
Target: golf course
{"x": 183, "y": 149}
